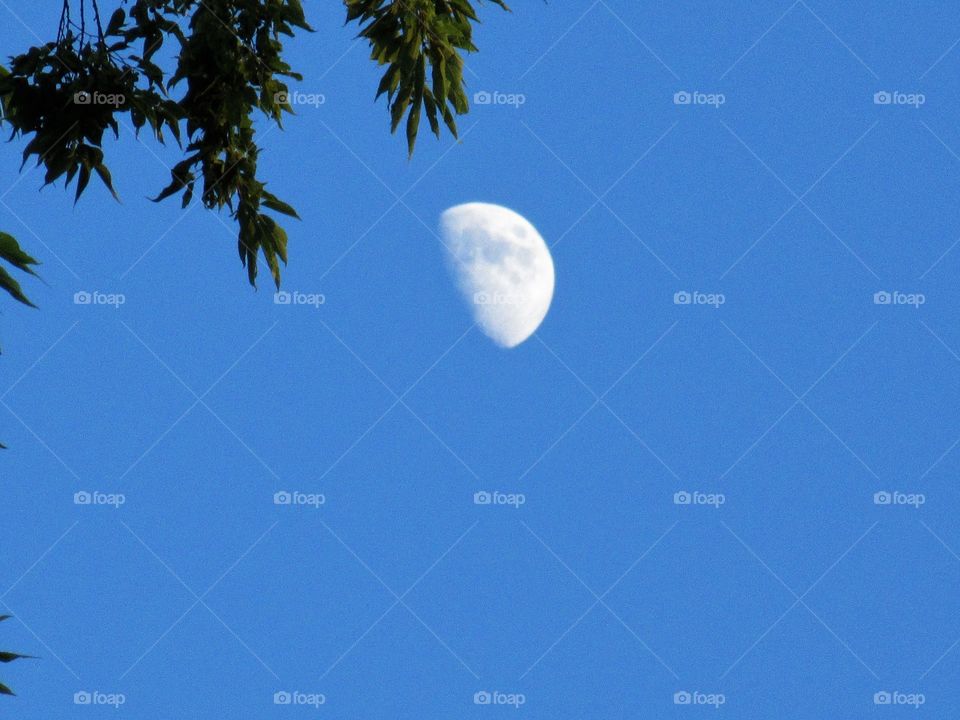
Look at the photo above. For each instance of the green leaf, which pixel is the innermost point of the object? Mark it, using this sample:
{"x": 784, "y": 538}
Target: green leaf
{"x": 12, "y": 287}
{"x": 275, "y": 203}
{"x": 431, "y": 106}
{"x": 116, "y": 22}
{"x": 280, "y": 241}
{"x": 6, "y": 657}
{"x": 82, "y": 181}
{"x": 389, "y": 81}
{"x": 11, "y": 252}
{"x": 104, "y": 174}
{"x": 413, "y": 121}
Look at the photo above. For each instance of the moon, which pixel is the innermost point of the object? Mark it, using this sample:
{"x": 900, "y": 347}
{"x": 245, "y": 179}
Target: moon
{"x": 502, "y": 268}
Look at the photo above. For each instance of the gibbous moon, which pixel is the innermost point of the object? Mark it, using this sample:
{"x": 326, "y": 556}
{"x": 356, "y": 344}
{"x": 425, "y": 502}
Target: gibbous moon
{"x": 502, "y": 267}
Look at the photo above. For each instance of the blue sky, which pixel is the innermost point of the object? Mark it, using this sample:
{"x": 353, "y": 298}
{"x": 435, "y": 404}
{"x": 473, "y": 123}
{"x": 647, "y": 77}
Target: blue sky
{"x": 786, "y": 189}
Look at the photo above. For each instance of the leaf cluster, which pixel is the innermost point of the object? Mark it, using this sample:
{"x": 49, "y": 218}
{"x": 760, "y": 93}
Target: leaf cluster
{"x": 231, "y": 65}
{"x": 48, "y": 92}
{"x": 414, "y": 38}
{"x": 67, "y": 94}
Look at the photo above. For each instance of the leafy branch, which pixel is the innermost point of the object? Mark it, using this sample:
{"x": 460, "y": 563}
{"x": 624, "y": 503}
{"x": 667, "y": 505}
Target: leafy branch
{"x": 68, "y": 93}
{"x": 64, "y": 95}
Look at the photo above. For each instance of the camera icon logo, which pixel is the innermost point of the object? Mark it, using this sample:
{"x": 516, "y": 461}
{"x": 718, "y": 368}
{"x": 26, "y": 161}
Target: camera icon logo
{"x": 281, "y": 98}
{"x": 82, "y": 298}
{"x": 82, "y": 698}
{"x": 282, "y": 498}
{"x": 882, "y": 98}
{"x": 882, "y": 298}
{"x": 882, "y": 698}
{"x": 482, "y": 98}
{"x": 481, "y": 298}
{"x": 682, "y": 298}
{"x": 482, "y": 698}
{"x": 482, "y": 498}
{"x": 682, "y": 98}
{"x": 682, "y": 697}
{"x": 82, "y": 498}
{"x": 882, "y": 498}
{"x": 82, "y": 98}
{"x": 282, "y": 697}
{"x": 282, "y": 298}
{"x": 682, "y": 498}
